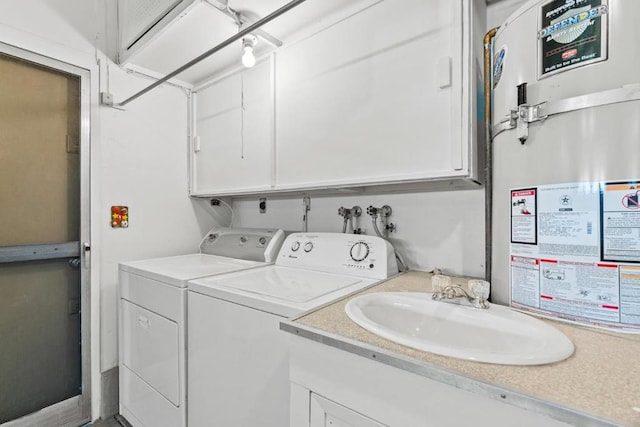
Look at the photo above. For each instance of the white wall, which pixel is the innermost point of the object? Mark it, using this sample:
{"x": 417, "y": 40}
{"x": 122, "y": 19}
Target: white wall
{"x": 440, "y": 229}
{"x": 143, "y": 165}
{"x": 138, "y": 158}
{"x": 499, "y": 11}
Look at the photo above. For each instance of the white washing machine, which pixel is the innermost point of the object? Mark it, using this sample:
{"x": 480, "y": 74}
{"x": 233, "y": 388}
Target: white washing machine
{"x": 152, "y": 320}
{"x": 238, "y": 358}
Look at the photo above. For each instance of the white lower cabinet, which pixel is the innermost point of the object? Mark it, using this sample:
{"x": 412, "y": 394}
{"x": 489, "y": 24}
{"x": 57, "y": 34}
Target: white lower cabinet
{"x": 325, "y": 413}
{"x": 335, "y": 388}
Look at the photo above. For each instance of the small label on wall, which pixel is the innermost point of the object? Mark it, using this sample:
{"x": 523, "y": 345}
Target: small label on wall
{"x": 119, "y": 216}
{"x": 575, "y": 252}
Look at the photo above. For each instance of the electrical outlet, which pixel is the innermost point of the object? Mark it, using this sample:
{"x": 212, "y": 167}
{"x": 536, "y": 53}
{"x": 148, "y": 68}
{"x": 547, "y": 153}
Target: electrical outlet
{"x": 106, "y": 99}
{"x": 215, "y": 202}
{"x": 263, "y": 205}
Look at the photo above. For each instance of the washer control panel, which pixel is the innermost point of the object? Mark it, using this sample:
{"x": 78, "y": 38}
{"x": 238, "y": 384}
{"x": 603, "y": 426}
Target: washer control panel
{"x": 353, "y": 254}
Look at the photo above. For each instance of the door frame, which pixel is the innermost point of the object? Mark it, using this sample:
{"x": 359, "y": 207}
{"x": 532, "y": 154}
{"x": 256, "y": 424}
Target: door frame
{"x": 76, "y": 410}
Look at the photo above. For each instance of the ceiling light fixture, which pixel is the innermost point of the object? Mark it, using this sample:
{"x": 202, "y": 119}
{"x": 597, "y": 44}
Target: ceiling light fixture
{"x": 248, "y": 43}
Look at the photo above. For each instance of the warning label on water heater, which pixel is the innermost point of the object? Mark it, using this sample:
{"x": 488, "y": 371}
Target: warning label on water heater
{"x": 575, "y": 252}
{"x": 572, "y": 33}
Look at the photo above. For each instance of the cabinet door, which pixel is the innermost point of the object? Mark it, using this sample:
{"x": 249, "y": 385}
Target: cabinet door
{"x": 374, "y": 98}
{"x": 325, "y": 413}
{"x": 233, "y": 144}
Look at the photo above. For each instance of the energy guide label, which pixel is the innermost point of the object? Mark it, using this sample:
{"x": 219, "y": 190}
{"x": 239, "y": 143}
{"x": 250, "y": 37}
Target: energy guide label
{"x": 575, "y": 252}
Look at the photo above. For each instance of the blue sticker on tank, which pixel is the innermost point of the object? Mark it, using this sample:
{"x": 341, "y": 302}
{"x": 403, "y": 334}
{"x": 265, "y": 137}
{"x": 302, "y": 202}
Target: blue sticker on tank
{"x": 498, "y": 65}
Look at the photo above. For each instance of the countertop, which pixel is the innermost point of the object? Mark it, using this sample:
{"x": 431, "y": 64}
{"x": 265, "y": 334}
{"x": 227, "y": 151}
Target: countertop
{"x": 598, "y": 385}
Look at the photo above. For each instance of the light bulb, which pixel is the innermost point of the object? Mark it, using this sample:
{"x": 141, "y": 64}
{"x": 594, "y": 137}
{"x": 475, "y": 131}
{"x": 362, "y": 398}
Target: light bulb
{"x": 248, "y": 43}
{"x": 248, "y": 60}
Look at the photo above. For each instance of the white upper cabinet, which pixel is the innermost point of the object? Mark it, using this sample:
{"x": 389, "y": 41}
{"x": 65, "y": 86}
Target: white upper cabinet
{"x": 233, "y": 124}
{"x": 373, "y": 99}
{"x": 389, "y": 94}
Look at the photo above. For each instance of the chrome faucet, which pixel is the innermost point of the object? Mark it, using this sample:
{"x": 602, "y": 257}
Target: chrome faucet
{"x": 456, "y": 291}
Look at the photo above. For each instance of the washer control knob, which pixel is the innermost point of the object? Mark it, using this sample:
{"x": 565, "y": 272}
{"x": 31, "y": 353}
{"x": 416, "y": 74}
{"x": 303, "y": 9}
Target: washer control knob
{"x": 295, "y": 246}
{"x": 308, "y": 246}
{"x": 359, "y": 251}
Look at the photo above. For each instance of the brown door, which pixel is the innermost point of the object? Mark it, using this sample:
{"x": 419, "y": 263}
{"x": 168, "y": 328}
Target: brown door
{"x": 40, "y": 234}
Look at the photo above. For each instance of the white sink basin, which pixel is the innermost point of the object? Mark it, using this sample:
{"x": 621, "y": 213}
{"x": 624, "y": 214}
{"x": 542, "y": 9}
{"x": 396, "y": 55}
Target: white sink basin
{"x": 496, "y": 335}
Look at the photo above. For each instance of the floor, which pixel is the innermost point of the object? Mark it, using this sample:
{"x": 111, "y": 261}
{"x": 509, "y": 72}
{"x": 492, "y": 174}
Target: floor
{"x": 116, "y": 421}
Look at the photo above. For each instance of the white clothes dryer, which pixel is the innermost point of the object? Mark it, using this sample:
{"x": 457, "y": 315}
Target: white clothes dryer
{"x": 238, "y": 358}
{"x": 152, "y": 320}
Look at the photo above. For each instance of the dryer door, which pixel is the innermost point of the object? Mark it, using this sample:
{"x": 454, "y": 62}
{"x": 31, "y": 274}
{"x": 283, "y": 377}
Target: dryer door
{"x": 150, "y": 349}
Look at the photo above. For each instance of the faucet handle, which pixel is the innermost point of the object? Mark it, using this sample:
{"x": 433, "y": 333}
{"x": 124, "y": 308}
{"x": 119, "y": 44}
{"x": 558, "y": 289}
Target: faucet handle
{"x": 479, "y": 289}
{"x": 439, "y": 282}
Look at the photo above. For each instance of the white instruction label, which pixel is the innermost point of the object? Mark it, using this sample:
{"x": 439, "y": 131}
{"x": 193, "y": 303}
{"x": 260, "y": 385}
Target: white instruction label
{"x": 621, "y": 228}
{"x": 523, "y": 216}
{"x": 526, "y": 273}
{"x": 569, "y": 217}
{"x": 583, "y": 263}
{"x": 630, "y": 294}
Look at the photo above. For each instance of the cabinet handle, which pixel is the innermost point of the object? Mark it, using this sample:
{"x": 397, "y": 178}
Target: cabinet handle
{"x": 143, "y": 321}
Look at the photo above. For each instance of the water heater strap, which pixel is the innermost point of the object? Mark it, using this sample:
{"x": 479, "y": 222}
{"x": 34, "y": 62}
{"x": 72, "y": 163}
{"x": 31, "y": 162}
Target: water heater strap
{"x": 613, "y": 96}
{"x": 525, "y": 114}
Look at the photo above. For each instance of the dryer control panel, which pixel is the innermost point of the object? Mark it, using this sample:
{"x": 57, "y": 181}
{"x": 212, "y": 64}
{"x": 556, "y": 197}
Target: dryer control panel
{"x": 253, "y": 244}
{"x": 351, "y": 254}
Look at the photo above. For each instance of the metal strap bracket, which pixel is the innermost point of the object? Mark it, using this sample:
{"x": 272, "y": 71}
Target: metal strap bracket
{"x": 521, "y": 117}
{"x": 21, "y": 253}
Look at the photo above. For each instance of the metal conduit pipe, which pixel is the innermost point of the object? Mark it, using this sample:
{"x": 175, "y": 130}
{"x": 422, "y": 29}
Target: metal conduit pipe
{"x": 488, "y": 171}
{"x": 284, "y": 9}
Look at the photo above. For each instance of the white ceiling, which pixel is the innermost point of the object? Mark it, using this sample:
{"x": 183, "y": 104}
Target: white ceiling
{"x": 202, "y": 26}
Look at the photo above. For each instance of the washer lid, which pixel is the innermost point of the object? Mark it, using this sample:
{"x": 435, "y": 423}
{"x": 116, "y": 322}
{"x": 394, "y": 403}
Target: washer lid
{"x": 178, "y": 270}
{"x": 283, "y": 291}
{"x": 288, "y": 284}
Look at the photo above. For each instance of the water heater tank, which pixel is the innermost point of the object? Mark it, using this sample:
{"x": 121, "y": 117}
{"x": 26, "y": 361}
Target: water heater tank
{"x": 566, "y": 161}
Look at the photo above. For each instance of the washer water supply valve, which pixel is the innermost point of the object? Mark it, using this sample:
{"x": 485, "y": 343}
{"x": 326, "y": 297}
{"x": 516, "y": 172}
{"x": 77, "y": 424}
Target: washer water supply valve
{"x": 387, "y": 227}
{"x": 348, "y": 215}
{"x": 384, "y": 212}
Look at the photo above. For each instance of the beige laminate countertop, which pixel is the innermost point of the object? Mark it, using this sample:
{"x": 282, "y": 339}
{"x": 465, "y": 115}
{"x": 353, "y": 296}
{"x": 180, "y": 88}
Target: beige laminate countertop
{"x": 601, "y": 379}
